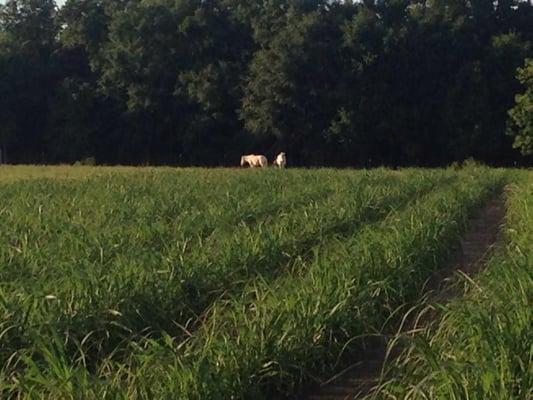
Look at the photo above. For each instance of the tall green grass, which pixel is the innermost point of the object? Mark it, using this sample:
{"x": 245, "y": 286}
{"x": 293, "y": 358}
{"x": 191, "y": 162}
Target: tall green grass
{"x": 151, "y": 256}
{"x": 13, "y": 173}
{"x": 212, "y": 283}
{"x": 276, "y": 336}
{"x": 481, "y": 347}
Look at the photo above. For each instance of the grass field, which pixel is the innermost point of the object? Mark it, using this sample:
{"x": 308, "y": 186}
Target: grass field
{"x": 10, "y": 173}
{"x": 127, "y": 283}
{"x": 481, "y": 346}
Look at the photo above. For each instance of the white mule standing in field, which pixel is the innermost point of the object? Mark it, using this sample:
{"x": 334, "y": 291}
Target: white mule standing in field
{"x": 280, "y": 160}
{"x": 254, "y": 161}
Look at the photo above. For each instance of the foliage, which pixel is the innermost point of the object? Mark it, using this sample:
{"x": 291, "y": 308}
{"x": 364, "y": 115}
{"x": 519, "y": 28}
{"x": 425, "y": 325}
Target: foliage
{"x": 522, "y": 113}
{"x": 195, "y": 82}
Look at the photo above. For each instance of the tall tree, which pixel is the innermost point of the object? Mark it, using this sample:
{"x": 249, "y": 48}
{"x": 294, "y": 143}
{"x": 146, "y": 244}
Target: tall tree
{"x": 27, "y": 36}
{"x": 80, "y": 116}
{"x": 332, "y": 82}
{"x": 521, "y": 114}
{"x": 177, "y": 68}
{"x": 291, "y": 94}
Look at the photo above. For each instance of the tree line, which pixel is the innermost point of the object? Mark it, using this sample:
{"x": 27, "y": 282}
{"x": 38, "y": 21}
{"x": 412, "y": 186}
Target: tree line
{"x": 200, "y": 82}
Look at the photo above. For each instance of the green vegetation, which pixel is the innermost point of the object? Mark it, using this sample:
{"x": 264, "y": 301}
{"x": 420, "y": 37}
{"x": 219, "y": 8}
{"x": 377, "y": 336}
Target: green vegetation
{"x": 201, "y": 82}
{"x": 210, "y": 283}
{"x": 521, "y": 114}
{"x": 11, "y": 173}
{"x": 481, "y": 347}
{"x": 167, "y": 245}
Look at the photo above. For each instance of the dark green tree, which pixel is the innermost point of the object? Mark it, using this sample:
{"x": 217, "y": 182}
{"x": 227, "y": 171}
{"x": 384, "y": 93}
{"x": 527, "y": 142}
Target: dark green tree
{"x": 521, "y": 127}
{"x": 348, "y": 83}
{"x": 177, "y": 68}
{"x": 293, "y": 86}
{"x": 28, "y": 76}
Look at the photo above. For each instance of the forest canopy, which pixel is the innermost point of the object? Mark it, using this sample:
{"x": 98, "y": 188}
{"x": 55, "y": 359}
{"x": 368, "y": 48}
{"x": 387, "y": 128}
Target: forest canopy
{"x": 200, "y": 82}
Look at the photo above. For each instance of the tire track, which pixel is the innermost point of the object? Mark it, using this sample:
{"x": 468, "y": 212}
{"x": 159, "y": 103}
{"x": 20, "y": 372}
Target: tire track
{"x": 360, "y": 379}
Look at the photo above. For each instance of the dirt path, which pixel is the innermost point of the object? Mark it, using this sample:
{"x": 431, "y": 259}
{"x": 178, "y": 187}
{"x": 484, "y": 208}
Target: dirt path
{"x": 478, "y": 240}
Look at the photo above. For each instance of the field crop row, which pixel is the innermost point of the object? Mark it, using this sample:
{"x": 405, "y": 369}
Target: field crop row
{"x": 277, "y": 334}
{"x": 481, "y": 347}
{"x": 107, "y": 273}
{"x": 278, "y": 272}
{"x": 14, "y": 173}
{"x": 212, "y": 284}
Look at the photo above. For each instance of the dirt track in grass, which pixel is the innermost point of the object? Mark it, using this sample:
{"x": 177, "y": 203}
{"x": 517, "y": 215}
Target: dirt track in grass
{"x": 482, "y": 234}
